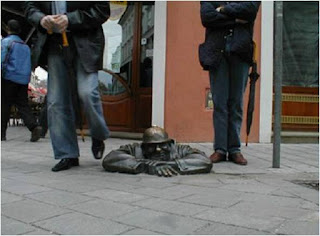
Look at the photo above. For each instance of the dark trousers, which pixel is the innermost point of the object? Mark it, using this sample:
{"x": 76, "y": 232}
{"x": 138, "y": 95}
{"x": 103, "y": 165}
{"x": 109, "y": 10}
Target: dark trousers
{"x": 43, "y": 119}
{"x": 228, "y": 83}
{"x": 15, "y": 94}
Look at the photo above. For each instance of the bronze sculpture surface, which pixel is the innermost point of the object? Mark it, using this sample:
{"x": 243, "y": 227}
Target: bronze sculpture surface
{"x": 157, "y": 155}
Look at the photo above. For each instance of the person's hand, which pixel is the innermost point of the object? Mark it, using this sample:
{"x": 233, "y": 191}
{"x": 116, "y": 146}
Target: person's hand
{"x": 61, "y": 23}
{"x": 240, "y": 21}
{"x": 47, "y": 22}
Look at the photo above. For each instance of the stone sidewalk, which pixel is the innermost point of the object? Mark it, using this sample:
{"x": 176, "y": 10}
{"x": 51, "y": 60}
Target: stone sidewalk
{"x": 254, "y": 199}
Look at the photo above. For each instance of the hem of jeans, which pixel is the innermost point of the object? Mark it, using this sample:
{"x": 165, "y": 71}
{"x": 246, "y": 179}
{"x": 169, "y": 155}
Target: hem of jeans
{"x": 220, "y": 151}
{"x": 233, "y": 152}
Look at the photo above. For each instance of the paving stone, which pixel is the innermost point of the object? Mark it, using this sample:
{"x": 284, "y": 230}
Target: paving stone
{"x": 81, "y": 224}
{"x": 14, "y": 227}
{"x": 172, "y": 192}
{"x": 161, "y": 222}
{"x": 223, "y": 229}
{"x": 267, "y": 209}
{"x": 299, "y": 228}
{"x": 251, "y": 188}
{"x": 8, "y": 197}
{"x": 40, "y": 232}
{"x": 242, "y": 219}
{"x": 215, "y": 198}
{"x": 44, "y": 180}
{"x": 271, "y": 200}
{"x": 20, "y": 188}
{"x": 59, "y": 198}
{"x": 74, "y": 186}
{"x": 104, "y": 208}
{"x": 116, "y": 196}
{"x": 30, "y": 211}
{"x": 204, "y": 180}
{"x": 171, "y": 206}
{"x": 137, "y": 231}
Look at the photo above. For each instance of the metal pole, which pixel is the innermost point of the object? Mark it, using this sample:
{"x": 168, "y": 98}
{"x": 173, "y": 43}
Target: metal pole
{"x": 278, "y": 65}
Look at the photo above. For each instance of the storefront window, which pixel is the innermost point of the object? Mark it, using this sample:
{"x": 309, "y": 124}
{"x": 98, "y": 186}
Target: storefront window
{"x": 301, "y": 44}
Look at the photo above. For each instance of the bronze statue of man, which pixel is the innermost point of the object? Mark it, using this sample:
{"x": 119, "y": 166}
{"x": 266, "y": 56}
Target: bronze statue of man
{"x": 157, "y": 155}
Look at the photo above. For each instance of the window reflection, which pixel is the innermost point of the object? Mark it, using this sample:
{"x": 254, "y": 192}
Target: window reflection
{"x": 109, "y": 84}
{"x": 118, "y": 32}
{"x": 147, "y": 30}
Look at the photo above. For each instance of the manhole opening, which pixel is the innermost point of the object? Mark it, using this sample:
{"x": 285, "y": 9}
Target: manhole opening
{"x": 314, "y": 184}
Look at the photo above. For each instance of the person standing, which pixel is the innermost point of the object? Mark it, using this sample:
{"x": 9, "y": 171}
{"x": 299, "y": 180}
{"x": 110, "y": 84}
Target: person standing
{"x": 15, "y": 77}
{"x": 227, "y": 55}
{"x": 81, "y": 23}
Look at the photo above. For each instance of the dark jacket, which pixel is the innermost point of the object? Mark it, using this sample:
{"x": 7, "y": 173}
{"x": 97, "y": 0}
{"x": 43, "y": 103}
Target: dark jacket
{"x": 130, "y": 159}
{"x": 220, "y": 24}
{"x": 85, "y": 20}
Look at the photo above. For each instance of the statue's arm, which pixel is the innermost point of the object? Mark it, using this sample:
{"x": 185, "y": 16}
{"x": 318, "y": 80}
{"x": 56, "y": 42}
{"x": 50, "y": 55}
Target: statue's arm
{"x": 120, "y": 161}
{"x": 192, "y": 161}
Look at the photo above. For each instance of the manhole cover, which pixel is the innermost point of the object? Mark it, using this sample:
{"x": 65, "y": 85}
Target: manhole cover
{"x": 314, "y": 184}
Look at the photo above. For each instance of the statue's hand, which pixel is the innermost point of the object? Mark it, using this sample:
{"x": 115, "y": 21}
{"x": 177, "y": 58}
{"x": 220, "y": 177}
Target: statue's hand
{"x": 166, "y": 171}
{"x": 161, "y": 170}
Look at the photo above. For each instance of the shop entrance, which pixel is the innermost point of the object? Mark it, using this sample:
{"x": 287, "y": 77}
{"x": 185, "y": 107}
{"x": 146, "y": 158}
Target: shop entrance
{"x": 125, "y": 83}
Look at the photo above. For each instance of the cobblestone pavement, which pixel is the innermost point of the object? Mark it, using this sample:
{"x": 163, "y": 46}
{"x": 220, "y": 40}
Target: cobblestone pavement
{"x": 255, "y": 199}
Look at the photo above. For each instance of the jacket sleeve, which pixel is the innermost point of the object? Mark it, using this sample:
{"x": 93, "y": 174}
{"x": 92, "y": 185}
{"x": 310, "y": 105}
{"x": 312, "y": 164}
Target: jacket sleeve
{"x": 210, "y": 18}
{"x": 33, "y": 14}
{"x": 90, "y": 18}
{"x": 242, "y": 10}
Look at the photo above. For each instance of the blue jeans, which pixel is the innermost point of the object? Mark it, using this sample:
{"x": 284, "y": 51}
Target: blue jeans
{"x": 61, "y": 117}
{"x": 228, "y": 83}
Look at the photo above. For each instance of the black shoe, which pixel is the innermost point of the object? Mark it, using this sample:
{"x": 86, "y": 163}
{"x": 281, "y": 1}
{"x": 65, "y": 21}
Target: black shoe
{"x": 43, "y": 133}
{"x": 97, "y": 148}
{"x": 3, "y": 138}
{"x": 35, "y": 134}
{"x": 66, "y": 164}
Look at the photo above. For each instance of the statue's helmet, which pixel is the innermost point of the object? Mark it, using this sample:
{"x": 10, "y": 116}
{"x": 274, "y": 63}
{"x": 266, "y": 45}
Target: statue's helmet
{"x": 155, "y": 134}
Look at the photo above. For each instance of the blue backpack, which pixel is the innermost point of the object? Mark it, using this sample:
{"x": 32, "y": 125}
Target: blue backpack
{"x": 17, "y": 63}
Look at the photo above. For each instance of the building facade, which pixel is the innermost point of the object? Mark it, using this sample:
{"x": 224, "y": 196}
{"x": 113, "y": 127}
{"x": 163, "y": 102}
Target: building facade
{"x": 168, "y": 35}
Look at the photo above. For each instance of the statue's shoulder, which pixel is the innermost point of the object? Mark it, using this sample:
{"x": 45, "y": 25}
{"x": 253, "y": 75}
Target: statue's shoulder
{"x": 187, "y": 149}
{"x": 130, "y": 148}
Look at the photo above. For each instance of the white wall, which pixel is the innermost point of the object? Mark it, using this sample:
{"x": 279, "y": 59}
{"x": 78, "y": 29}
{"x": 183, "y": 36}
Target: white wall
{"x": 265, "y": 129}
{"x": 159, "y": 63}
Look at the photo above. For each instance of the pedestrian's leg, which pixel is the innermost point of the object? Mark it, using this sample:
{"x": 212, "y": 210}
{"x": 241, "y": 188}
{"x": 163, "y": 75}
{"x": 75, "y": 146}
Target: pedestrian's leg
{"x": 26, "y": 113}
{"x": 219, "y": 83}
{"x": 23, "y": 107}
{"x": 7, "y": 99}
{"x": 60, "y": 112}
{"x": 43, "y": 119}
{"x": 89, "y": 94}
{"x": 238, "y": 80}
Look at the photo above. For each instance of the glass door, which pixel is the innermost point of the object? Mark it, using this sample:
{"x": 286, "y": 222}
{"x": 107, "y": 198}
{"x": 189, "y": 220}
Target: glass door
{"x": 125, "y": 83}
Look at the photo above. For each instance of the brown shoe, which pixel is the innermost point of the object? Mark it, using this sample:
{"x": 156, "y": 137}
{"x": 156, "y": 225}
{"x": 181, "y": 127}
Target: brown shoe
{"x": 237, "y": 158}
{"x": 218, "y": 157}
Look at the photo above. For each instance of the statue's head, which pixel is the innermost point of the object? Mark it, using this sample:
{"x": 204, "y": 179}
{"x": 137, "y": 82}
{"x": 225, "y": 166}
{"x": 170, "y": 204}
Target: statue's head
{"x": 156, "y": 144}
